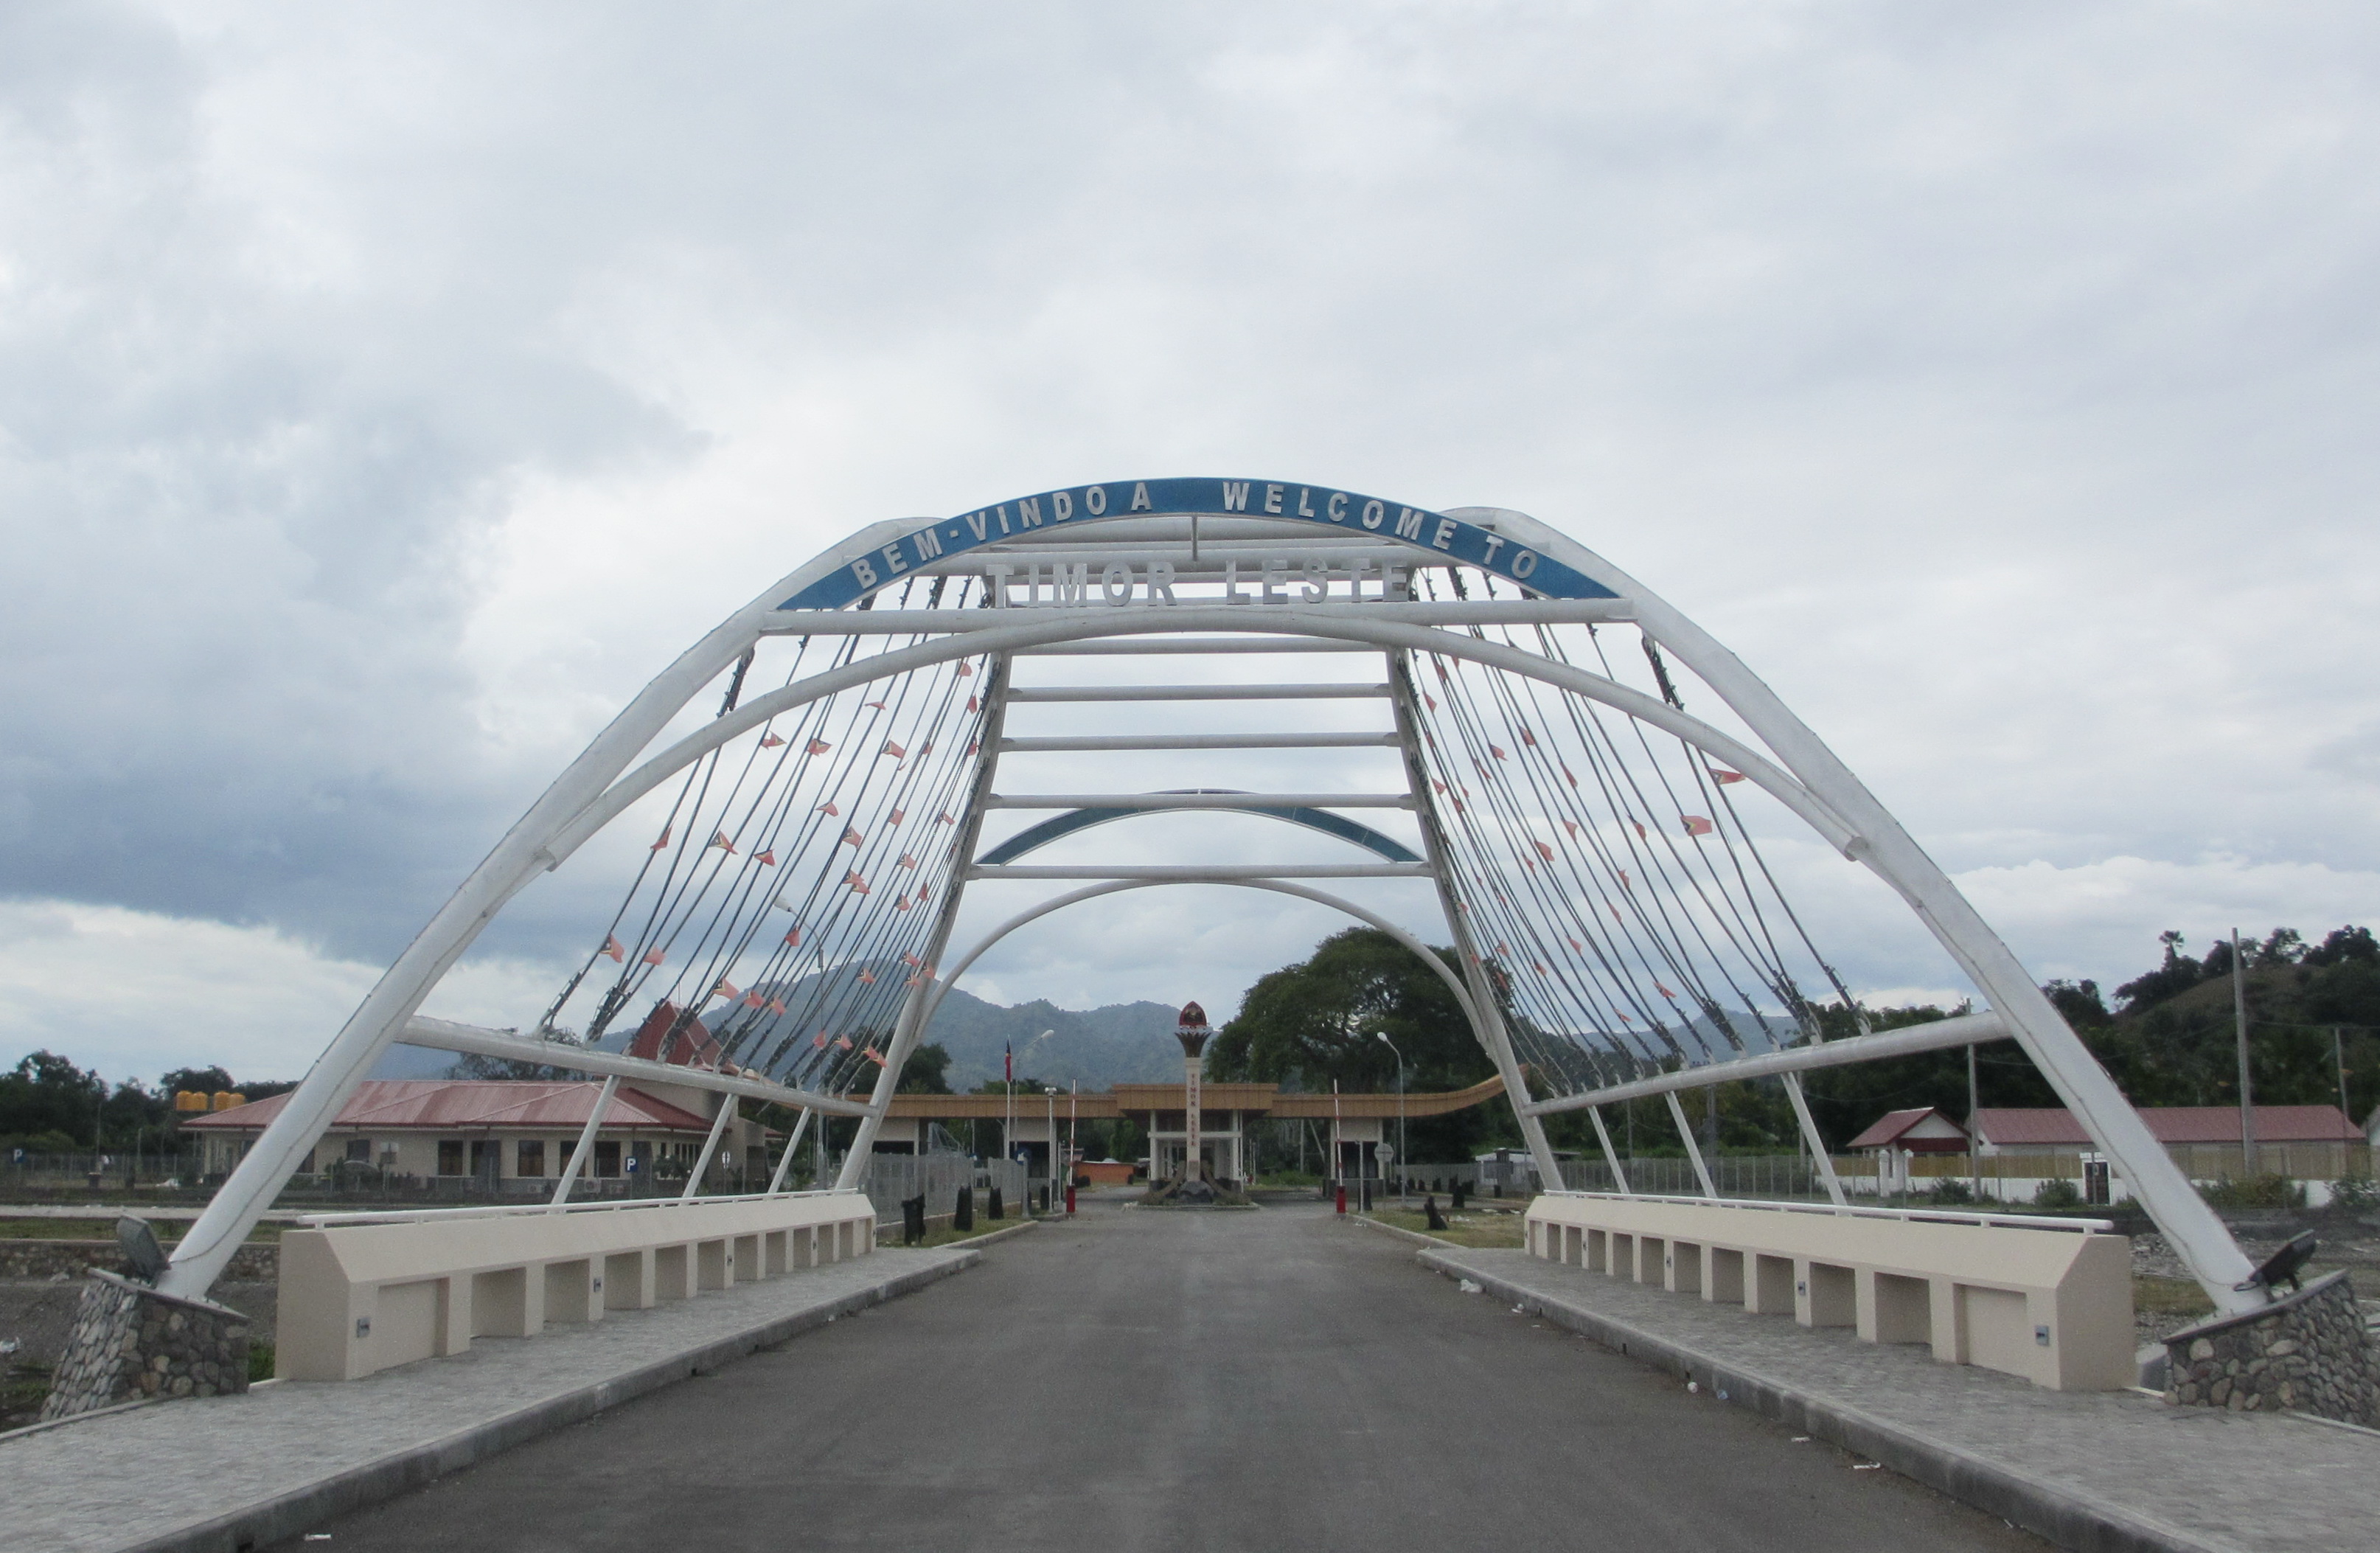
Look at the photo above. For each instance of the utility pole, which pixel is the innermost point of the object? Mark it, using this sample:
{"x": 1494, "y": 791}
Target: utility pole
{"x": 2338, "y": 1061}
{"x": 1974, "y": 1164}
{"x": 2247, "y": 1080}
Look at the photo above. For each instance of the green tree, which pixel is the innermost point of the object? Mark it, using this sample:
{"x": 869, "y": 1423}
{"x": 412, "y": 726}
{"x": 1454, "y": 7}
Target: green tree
{"x": 1305, "y": 1025}
{"x": 46, "y": 1092}
{"x": 927, "y": 1071}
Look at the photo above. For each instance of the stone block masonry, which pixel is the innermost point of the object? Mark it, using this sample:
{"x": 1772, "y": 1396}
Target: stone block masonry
{"x": 2307, "y": 1352}
{"x": 132, "y": 1343}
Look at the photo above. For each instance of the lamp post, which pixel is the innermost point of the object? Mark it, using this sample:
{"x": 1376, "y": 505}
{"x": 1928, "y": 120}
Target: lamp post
{"x": 1050, "y": 1194}
{"x": 1404, "y": 1160}
{"x": 1008, "y": 1088}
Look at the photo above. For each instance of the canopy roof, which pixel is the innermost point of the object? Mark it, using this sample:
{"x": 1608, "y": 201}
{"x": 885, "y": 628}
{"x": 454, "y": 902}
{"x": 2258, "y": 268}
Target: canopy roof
{"x": 1262, "y": 1099}
{"x": 450, "y": 1104}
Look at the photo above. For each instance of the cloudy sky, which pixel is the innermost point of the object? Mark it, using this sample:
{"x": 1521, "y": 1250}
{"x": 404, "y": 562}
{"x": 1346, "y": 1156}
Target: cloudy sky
{"x": 387, "y": 390}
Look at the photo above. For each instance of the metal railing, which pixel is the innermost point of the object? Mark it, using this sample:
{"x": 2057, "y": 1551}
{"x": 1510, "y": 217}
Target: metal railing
{"x": 1914, "y": 1215}
{"x": 531, "y": 1210}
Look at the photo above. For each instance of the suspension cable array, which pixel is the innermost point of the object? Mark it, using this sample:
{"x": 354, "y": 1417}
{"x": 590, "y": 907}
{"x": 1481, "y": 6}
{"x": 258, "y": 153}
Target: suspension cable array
{"x": 1618, "y": 899}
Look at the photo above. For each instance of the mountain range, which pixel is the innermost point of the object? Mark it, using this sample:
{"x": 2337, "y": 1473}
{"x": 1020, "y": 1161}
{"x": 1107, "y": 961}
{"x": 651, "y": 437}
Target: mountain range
{"x": 1121, "y": 1043}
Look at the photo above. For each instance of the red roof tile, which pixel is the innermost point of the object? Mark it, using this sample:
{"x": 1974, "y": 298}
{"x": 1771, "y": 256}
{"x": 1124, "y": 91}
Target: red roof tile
{"x": 451, "y": 1103}
{"x": 1893, "y": 1123}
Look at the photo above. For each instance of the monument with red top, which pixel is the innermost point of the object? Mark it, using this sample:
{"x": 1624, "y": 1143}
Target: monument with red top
{"x": 1193, "y": 1031}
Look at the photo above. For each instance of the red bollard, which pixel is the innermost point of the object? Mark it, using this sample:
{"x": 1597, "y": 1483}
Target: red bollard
{"x": 1070, "y": 1200}
{"x": 1343, "y": 1196}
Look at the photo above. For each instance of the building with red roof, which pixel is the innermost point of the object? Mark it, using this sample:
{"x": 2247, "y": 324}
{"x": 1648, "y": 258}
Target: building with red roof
{"x": 2305, "y": 1143}
{"x": 505, "y": 1134}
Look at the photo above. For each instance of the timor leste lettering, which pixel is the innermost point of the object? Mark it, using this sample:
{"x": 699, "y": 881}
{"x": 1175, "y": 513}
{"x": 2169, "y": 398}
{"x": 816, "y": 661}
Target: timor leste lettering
{"x": 1144, "y": 580}
{"x": 1314, "y": 579}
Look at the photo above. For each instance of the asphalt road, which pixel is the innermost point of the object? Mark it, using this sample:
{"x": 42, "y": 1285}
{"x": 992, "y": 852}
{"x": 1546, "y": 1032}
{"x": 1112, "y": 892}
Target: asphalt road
{"x": 1179, "y": 1380}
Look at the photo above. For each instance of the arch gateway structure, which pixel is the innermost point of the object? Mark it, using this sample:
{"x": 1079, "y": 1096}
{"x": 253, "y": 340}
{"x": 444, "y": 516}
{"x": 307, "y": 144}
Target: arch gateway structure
{"x": 1460, "y": 716}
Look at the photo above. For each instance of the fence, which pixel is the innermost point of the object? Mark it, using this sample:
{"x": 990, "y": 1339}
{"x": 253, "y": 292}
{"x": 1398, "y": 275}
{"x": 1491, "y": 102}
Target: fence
{"x": 115, "y": 1167}
{"x": 892, "y": 1179}
{"x": 1760, "y": 1175}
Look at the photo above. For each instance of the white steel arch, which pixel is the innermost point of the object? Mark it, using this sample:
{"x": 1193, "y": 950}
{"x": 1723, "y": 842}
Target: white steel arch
{"x": 1147, "y": 541}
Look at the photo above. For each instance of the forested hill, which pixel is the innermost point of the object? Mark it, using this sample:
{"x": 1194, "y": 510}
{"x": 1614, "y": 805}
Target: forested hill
{"x": 2166, "y": 1037}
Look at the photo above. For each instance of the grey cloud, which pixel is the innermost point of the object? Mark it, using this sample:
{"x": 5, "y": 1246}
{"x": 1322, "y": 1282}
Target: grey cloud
{"x": 1995, "y": 381}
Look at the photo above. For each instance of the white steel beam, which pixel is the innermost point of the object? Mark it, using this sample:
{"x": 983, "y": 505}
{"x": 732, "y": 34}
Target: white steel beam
{"x": 1183, "y": 617}
{"x": 1963, "y": 1030}
{"x": 786, "y": 1160}
{"x": 909, "y": 1026}
{"x": 1199, "y": 801}
{"x": 1454, "y": 984}
{"x": 1227, "y": 873}
{"x": 709, "y": 1146}
{"x": 1194, "y": 645}
{"x": 1488, "y": 1018}
{"x": 1198, "y": 693}
{"x": 1816, "y": 1142}
{"x": 1012, "y": 630}
{"x": 1693, "y": 1150}
{"x": 578, "y": 1156}
{"x": 1610, "y": 1155}
{"x": 2189, "y": 1224}
{"x": 1073, "y": 744}
{"x": 443, "y": 1035}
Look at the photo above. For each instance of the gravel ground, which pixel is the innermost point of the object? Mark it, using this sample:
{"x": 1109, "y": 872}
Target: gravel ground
{"x": 36, "y": 1317}
{"x": 2348, "y": 1244}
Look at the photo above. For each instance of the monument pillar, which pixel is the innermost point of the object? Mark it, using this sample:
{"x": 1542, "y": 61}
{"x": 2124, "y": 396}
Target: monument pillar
{"x": 1192, "y": 1032}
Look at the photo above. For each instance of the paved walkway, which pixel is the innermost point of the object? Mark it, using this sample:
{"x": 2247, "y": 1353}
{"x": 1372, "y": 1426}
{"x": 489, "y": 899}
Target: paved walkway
{"x": 2183, "y": 1477}
{"x": 227, "y": 1471}
{"x": 1152, "y": 1379}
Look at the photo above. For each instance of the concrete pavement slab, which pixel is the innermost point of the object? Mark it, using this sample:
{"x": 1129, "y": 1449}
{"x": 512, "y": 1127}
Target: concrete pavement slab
{"x": 2098, "y": 1471}
{"x": 231, "y": 1472}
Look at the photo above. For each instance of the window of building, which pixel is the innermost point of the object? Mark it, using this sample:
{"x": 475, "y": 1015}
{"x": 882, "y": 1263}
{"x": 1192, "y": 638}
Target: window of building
{"x": 359, "y": 1151}
{"x": 487, "y": 1158}
{"x": 530, "y": 1159}
{"x": 607, "y": 1157}
{"x": 450, "y": 1156}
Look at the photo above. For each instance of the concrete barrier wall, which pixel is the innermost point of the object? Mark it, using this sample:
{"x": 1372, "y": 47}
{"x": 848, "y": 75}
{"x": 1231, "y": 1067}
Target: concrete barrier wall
{"x": 362, "y": 1293}
{"x": 2053, "y": 1306}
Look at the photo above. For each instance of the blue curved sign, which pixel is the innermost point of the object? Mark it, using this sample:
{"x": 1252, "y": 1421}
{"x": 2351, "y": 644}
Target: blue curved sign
{"x": 1327, "y": 508}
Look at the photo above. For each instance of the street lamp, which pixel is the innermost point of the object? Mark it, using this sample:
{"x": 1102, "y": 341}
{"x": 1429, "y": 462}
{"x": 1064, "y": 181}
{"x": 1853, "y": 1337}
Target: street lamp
{"x": 1008, "y": 1087}
{"x": 1050, "y": 1197}
{"x": 1404, "y": 1161}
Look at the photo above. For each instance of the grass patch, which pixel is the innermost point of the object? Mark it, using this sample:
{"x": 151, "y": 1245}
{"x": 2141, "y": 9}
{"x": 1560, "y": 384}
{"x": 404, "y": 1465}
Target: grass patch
{"x": 104, "y": 1229}
{"x": 1482, "y": 1231}
{"x": 260, "y": 1361}
{"x": 2169, "y": 1296}
{"x": 24, "y": 1387}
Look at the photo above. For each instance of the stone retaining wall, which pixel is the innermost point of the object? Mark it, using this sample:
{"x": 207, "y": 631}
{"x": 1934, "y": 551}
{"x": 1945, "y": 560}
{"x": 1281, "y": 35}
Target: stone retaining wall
{"x": 35, "y": 1261}
{"x": 132, "y": 1343}
{"x": 2307, "y": 1352}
